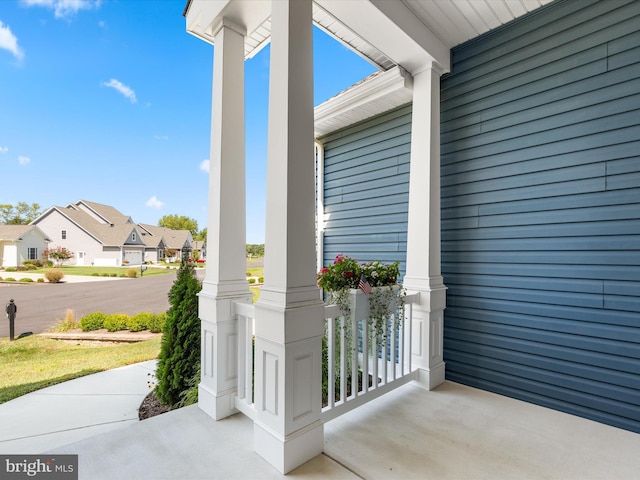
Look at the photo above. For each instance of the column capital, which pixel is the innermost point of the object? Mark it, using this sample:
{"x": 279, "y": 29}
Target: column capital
{"x": 224, "y": 22}
{"x": 431, "y": 66}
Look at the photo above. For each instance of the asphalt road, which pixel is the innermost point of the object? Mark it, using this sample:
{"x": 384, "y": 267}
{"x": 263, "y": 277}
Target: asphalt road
{"x": 41, "y": 305}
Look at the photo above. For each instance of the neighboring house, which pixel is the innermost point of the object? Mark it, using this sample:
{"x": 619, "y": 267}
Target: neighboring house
{"x": 175, "y": 242}
{"x": 200, "y": 247}
{"x": 97, "y": 234}
{"x": 21, "y": 242}
{"x": 498, "y": 164}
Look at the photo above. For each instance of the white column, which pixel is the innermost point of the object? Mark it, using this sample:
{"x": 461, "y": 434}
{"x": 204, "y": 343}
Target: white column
{"x": 225, "y": 280}
{"x": 289, "y": 315}
{"x": 423, "y": 238}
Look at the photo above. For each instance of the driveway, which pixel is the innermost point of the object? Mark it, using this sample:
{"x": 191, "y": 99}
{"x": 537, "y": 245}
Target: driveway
{"x": 41, "y": 305}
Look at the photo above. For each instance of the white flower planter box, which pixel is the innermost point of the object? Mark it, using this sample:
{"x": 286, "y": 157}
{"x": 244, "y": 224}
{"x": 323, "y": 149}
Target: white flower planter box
{"x": 363, "y": 306}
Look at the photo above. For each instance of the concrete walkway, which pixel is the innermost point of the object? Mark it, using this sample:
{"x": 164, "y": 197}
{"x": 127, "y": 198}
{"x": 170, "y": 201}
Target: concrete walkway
{"x": 67, "y": 278}
{"x": 454, "y": 432}
{"x": 74, "y": 410}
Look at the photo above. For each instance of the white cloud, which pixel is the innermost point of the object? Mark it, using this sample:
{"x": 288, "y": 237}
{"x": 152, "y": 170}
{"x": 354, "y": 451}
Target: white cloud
{"x": 153, "y": 202}
{"x": 8, "y": 41}
{"x": 22, "y": 160}
{"x": 204, "y": 166}
{"x": 122, "y": 88}
{"x": 64, "y": 8}
{"x": 4, "y": 149}
{"x": 162, "y": 137}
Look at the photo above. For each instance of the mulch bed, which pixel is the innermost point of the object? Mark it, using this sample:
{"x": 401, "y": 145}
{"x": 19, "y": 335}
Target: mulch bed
{"x": 150, "y": 407}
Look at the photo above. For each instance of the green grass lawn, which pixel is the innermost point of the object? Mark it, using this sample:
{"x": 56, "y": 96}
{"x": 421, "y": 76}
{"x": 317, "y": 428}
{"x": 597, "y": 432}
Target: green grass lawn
{"x": 34, "y": 362}
{"x": 100, "y": 271}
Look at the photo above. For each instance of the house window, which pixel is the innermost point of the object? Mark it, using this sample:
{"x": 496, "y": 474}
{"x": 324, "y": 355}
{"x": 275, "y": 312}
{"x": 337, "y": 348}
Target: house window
{"x": 32, "y": 253}
{"x": 133, "y": 237}
{"x": 64, "y": 234}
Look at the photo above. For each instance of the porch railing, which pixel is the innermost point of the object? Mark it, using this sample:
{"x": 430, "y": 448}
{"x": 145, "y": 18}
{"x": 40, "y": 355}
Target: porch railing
{"x": 357, "y": 365}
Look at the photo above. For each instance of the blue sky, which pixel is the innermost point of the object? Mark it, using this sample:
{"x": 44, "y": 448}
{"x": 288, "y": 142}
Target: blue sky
{"x": 110, "y": 101}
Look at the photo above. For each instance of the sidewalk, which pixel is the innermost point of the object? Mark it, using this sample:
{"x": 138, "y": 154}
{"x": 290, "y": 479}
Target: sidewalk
{"x": 67, "y": 278}
{"x": 74, "y": 410}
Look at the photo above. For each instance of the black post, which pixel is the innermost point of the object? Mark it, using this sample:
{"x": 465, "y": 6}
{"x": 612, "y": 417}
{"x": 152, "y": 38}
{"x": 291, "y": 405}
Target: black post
{"x": 12, "y": 309}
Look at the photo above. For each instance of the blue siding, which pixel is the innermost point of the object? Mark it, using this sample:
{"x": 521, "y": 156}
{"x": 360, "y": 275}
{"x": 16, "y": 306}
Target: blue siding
{"x": 366, "y": 189}
{"x": 541, "y": 210}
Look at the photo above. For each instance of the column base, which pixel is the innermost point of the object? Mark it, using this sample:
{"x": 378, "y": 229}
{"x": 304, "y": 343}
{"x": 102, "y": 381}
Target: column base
{"x": 217, "y": 406}
{"x": 291, "y": 452}
{"x": 430, "y": 378}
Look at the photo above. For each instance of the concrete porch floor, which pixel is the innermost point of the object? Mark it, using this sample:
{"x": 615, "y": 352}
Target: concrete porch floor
{"x": 454, "y": 432}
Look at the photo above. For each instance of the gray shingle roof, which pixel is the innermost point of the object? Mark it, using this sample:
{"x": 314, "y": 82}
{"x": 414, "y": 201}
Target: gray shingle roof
{"x": 14, "y": 232}
{"x": 109, "y": 213}
{"x": 174, "y": 239}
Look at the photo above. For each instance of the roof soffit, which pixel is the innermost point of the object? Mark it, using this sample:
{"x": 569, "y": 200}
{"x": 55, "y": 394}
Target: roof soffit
{"x": 394, "y": 30}
{"x": 408, "y": 33}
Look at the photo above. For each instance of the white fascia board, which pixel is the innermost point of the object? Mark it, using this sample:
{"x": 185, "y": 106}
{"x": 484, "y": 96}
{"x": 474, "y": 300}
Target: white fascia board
{"x": 363, "y": 101}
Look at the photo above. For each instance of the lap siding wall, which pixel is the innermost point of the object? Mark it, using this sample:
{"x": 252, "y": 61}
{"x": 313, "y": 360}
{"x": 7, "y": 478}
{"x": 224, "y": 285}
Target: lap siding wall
{"x": 541, "y": 210}
{"x": 540, "y": 166}
{"x": 366, "y": 189}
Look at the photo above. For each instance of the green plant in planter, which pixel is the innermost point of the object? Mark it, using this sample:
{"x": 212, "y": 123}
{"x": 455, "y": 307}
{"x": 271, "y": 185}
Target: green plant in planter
{"x": 342, "y": 279}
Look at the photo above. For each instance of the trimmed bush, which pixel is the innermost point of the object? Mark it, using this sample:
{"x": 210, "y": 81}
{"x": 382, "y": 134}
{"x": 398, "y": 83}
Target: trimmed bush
{"x": 116, "y": 322}
{"x": 92, "y": 321}
{"x": 156, "y": 323}
{"x": 252, "y": 280}
{"x": 132, "y": 272}
{"x": 180, "y": 348}
{"x": 9, "y": 279}
{"x": 40, "y": 280}
{"x": 26, "y": 280}
{"x": 54, "y": 275}
{"x": 139, "y": 321}
{"x": 11, "y": 269}
{"x": 95, "y": 274}
{"x": 260, "y": 279}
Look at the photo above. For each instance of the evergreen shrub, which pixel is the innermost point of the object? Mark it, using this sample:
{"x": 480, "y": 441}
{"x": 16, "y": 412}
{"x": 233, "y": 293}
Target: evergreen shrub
{"x": 92, "y": 321}
{"x": 180, "y": 348}
{"x": 139, "y": 321}
{"x": 116, "y": 322}
{"x": 156, "y": 323}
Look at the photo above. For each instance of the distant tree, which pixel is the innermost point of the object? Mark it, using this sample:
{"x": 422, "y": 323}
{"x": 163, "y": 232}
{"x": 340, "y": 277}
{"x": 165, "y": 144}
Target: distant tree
{"x": 201, "y": 235}
{"x": 59, "y": 254}
{"x": 20, "y": 214}
{"x": 255, "y": 250}
{"x": 179, "y": 222}
{"x": 179, "y": 357}
{"x": 170, "y": 253}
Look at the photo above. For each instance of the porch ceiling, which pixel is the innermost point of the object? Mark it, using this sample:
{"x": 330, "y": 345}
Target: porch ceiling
{"x": 404, "y": 32}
